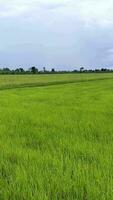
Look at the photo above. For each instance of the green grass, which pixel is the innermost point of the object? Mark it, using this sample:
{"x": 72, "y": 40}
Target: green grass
{"x": 17, "y": 81}
{"x": 56, "y": 142}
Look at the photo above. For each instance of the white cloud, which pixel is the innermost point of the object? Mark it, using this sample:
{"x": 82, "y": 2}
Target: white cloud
{"x": 88, "y": 11}
{"x": 78, "y": 31}
{"x": 19, "y": 8}
{"x": 96, "y": 11}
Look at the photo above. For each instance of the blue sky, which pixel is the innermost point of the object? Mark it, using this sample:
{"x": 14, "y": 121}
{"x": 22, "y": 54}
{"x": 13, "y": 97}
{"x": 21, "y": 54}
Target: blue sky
{"x": 65, "y": 34}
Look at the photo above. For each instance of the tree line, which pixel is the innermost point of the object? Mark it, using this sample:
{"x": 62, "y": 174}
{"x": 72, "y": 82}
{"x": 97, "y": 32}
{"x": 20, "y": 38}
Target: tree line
{"x": 35, "y": 70}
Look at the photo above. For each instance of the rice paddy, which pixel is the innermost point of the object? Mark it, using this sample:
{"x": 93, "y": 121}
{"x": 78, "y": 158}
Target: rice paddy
{"x": 56, "y": 142}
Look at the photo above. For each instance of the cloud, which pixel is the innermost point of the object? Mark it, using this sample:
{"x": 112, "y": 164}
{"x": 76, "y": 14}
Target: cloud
{"x": 27, "y": 7}
{"x": 89, "y": 12}
{"x": 57, "y": 32}
{"x": 94, "y": 11}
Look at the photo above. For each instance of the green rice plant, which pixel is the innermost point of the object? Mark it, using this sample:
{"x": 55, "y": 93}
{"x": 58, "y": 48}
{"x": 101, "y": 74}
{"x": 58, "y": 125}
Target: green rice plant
{"x": 56, "y": 142}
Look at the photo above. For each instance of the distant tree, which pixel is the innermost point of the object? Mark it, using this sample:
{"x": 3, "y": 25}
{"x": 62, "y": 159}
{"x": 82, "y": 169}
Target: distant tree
{"x": 44, "y": 69}
{"x": 34, "y": 70}
{"x": 81, "y": 69}
{"x": 97, "y": 70}
{"x": 75, "y": 71}
{"x": 6, "y": 70}
{"x": 104, "y": 70}
{"x": 16, "y": 70}
{"x": 21, "y": 70}
{"x": 52, "y": 70}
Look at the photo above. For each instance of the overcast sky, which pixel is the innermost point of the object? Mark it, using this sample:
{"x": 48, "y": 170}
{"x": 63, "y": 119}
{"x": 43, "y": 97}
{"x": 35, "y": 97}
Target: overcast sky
{"x": 64, "y": 34}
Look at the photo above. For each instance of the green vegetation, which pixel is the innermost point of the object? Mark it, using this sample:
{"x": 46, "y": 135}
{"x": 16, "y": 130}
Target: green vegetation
{"x": 16, "y": 81}
{"x": 35, "y": 70}
{"x": 56, "y": 142}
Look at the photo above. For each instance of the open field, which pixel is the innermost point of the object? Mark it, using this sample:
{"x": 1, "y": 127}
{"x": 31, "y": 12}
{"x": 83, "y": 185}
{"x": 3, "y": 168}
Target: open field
{"x": 16, "y": 81}
{"x": 56, "y": 142}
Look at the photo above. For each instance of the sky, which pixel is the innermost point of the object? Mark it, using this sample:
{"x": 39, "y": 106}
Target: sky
{"x": 64, "y": 34}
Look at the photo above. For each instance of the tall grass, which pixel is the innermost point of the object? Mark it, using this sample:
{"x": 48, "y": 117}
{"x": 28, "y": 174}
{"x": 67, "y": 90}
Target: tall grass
{"x": 57, "y": 142}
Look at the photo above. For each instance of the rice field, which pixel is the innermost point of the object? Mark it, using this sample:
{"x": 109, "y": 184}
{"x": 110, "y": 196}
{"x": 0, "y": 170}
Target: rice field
{"x": 56, "y": 141}
{"x": 19, "y": 81}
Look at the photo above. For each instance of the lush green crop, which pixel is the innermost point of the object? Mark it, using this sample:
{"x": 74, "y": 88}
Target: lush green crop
{"x": 16, "y": 81}
{"x": 56, "y": 142}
